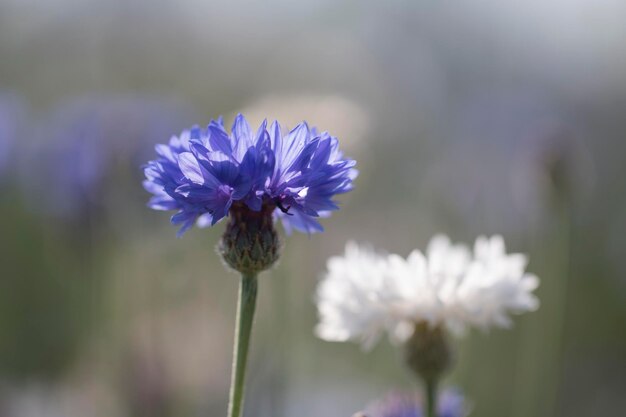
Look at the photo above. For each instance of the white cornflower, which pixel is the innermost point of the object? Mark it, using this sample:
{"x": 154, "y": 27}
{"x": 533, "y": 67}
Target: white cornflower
{"x": 365, "y": 293}
{"x": 354, "y": 299}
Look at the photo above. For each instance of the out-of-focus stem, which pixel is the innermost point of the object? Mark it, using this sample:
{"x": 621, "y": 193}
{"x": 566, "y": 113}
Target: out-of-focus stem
{"x": 430, "y": 386}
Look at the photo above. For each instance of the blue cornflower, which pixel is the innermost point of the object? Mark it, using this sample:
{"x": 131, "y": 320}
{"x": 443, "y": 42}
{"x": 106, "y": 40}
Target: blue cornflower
{"x": 253, "y": 178}
{"x": 205, "y": 174}
{"x": 450, "y": 404}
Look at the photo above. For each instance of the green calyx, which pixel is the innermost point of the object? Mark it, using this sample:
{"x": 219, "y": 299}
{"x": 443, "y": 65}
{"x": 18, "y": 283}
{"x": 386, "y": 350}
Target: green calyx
{"x": 428, "y": 352}
{"x": 250, "y": 243}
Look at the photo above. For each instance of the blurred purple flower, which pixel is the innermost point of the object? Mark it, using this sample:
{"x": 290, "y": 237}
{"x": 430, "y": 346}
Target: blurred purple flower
{"x": 450, "y": 404}
{"x": 86, "y": 140}
{"x": 202, "y": 172}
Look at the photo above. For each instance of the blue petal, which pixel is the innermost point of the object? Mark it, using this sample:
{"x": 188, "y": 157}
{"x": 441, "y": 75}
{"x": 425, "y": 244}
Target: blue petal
{"x": 242, "y": 135}
{"x": 218, "y": 139}
{"x": 300, "y": 222}
{"x": 190, "y": 167}
{"x": 186, "y": 219}
{"x": 292, "y": 145}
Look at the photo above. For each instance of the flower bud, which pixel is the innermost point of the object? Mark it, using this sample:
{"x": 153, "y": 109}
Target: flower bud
{"x": 250, "y": 243}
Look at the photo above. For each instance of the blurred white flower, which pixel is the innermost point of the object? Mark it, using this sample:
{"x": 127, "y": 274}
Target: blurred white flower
{"x": 365, "y": 293}
{"x": 355, "y": 299}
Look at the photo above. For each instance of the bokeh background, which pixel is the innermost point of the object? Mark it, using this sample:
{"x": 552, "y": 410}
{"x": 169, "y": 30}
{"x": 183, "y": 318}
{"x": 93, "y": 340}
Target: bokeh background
{"x": 465, "y": 117}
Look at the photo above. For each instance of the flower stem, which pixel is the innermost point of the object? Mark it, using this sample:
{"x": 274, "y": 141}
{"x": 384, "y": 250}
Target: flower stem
{"x": 431, "y": 397}
{"x": 245, "y": 316}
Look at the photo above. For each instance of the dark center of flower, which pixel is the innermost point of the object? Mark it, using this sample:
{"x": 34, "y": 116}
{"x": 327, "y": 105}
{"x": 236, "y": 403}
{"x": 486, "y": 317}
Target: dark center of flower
{"x": 241, "y": 211}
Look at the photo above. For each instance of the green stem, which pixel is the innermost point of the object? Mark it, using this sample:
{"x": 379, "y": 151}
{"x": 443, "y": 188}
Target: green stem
{"x": 431, "y": 397}
{"x": 245, "y": 316}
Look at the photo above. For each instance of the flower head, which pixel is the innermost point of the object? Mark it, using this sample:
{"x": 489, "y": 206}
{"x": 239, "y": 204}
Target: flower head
{"x": 203, "y": 172}
{"x": 449, "y": 404}
{"x": 364, "y": 293}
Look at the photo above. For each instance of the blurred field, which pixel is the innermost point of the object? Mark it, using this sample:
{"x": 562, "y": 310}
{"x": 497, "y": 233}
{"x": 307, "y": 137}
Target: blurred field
{"x": 465, "y": 118}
